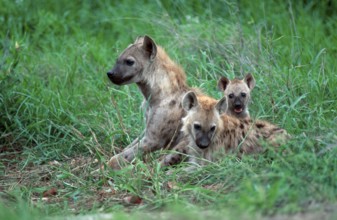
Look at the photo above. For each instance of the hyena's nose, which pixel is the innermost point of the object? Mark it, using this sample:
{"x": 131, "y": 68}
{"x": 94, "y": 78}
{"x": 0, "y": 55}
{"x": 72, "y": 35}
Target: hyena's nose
{"x": 110, "y": 73}
{"x": 237, "y": 105}
{"x": 203, "y": 143}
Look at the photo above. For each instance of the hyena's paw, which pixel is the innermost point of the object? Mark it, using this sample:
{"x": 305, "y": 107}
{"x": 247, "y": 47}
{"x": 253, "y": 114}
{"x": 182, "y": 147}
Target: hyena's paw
{"x": 116, "y": 162}
{"x": 119, "y": 161}
{"x": 179, "y": 155}
{"x": 171, "y": 159}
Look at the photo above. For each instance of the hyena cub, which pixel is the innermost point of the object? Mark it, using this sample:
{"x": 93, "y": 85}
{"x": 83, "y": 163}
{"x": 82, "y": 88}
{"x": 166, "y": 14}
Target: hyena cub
{"x": 209, "y": 130}
{"x": 180, "y": 151}
{"x": 163, "y": 84}
{"x": 238, "y": 94}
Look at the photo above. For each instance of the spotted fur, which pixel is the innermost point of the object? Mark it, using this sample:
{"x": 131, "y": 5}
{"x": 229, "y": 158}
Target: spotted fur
{"x": 209, "y": 130}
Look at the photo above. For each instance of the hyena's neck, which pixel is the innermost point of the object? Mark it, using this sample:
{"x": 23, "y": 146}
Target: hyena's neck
{"x": 144, "y": 88}
{"x": 163, "y": 79}
{"x": 163, "y": 89}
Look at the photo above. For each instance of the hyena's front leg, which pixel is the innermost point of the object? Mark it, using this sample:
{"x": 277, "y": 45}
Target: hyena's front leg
{"x": 161, "y": 130}
{"x": 138, "y": 149}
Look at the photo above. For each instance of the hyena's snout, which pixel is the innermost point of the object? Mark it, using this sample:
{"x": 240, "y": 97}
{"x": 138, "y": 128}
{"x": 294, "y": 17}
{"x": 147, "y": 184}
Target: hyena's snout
{"x": 203, "y": 142}
{"x": 111, "y": 74}
{"x": 238, "y": 106}
{"x": 114, "y": 78}
{"x": 117, "y": 78}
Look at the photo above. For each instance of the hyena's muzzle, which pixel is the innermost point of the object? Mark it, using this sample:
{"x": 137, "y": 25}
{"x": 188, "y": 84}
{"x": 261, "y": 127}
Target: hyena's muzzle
{"x": 202, "y": 141}
{"x": 117, "y": 77}
{"x": 238, "y": 106}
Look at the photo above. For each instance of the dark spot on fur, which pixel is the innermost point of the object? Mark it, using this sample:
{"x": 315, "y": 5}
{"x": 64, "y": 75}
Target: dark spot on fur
{"x": 258, "y": 136}
{"x": 173, "y": 103}
{"x": 154, "y": 133}
{"x": 226, "y": 133}
{"x": 170, "y": 121}
{"x": 277, "y": 129}
{"x": 163, "y": 130}
{"x": 242, "y": 126}
{"x": 240, "y": 141}
{"x": 230, "y": 138}
{"x": 260, "y": 125}
{"x": 243, "y": 134}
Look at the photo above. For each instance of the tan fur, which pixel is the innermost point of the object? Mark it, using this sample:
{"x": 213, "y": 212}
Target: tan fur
{"x": 238, "y": 95}
{"x": 230, "y": 134}
{"x": 167, "y": 76}
{"x": 181, "y": 150}
{"x": 163, "y": 84}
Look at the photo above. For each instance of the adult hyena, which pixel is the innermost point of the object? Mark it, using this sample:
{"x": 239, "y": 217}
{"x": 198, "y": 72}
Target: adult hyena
{"x": 238, "y": 95}
{"x": 163, "y": 84}
{"x": 209, "y": 130}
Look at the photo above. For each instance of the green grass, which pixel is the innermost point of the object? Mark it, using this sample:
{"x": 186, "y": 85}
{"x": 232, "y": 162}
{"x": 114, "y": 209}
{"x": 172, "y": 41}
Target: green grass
{"x": 56, "y": 104}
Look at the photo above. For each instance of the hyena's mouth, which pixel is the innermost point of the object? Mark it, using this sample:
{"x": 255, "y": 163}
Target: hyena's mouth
{"x": 119, "y": 80}
{"x": 238, "y": 110}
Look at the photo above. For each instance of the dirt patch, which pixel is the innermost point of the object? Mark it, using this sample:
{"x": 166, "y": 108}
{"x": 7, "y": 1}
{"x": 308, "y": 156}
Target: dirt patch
{"x": 71, "y": 181}
{"x": 206, "y": 215}
{"x": 57, "y": 182}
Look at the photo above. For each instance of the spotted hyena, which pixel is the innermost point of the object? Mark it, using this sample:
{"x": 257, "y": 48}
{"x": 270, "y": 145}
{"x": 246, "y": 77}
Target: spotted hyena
{"x": 163, "y": 84}
{"x": 209, "y": 130}
{"x": 238, "y": 95}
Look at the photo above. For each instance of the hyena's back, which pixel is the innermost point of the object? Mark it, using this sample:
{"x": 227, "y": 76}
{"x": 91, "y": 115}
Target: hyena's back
{"x": 249, "y": 136}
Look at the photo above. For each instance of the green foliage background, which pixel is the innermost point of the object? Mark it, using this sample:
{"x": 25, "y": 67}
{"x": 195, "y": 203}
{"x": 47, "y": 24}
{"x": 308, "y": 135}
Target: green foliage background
{"x": 56, "y": 101}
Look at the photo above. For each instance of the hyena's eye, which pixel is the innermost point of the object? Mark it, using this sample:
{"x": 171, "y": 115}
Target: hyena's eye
{"x": 129, "y": 62}
{"x": 243, "y": 94}
{"x": 231, "y": 96}
{"x": 197, "y": 127}
{"x": 213, "y": 128}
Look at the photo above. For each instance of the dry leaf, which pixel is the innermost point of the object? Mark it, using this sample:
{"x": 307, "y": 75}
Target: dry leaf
{"x": 136, "y": 200}
{"x": 172, "y": 185}
{"x": 50, "y": 192}
{"x": 54, "y": 163}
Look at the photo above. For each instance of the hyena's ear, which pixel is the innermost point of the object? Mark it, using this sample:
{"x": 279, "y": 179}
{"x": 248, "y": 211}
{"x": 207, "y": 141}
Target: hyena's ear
{"x": 221, "y": 106}
{"x": 250, "y": 81}
{"x": 190, "y": 101}
{"x": 223, "y": 83}
{"x": 149, "y": 47}
{"x": 139, "y": 40}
